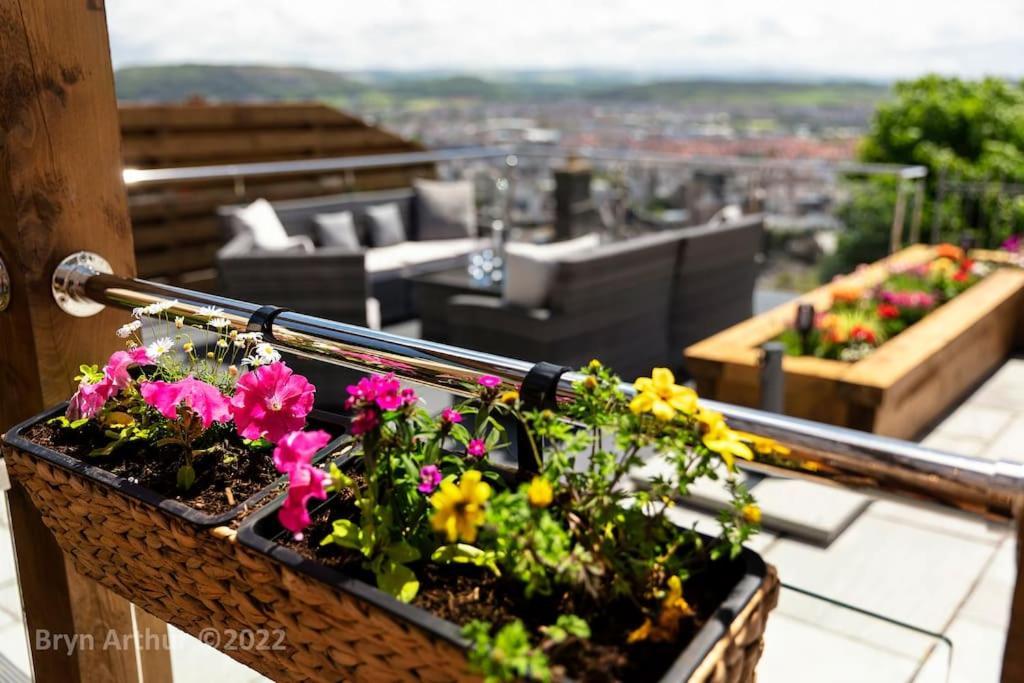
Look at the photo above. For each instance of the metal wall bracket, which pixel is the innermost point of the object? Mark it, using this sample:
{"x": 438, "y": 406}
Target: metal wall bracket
{"x": 69, "y": 280}
{"x": 5, "y": 286}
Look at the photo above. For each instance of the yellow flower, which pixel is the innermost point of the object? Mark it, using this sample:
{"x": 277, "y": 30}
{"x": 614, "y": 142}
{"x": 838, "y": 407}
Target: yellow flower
{"x": 722, "y": 440}
{"x": 751, "y": 513}
{"x": 660, "y": 395}
{"x": 674, "y": 609}
{"x": 509, "y": 397}
{"x": 540, "y": 494}
{"x": 459, "y": 510}
{"x": 594, "y": 364}
{"x": 943, "y": 266}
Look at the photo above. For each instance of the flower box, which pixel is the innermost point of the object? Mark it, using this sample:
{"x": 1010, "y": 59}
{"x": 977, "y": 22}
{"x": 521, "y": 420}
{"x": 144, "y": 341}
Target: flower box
{"x": 373, "y": 636}
{"x": 177, "y": 563}
{"x": 903, "y": 385}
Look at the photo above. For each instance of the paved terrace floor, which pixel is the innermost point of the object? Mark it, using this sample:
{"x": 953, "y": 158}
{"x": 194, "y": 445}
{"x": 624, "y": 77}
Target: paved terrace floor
{"x": 939, "y": 572}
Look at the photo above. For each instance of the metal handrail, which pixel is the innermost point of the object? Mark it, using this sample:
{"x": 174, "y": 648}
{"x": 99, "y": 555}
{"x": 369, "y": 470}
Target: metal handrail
{"x": 138, "y": 177}
{"x": 818, "y": 452}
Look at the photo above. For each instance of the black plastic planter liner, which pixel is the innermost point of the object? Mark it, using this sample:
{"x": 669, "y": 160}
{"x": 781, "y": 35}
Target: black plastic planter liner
{"x": 261, "y": 532}
{"x": 329, "y": 422}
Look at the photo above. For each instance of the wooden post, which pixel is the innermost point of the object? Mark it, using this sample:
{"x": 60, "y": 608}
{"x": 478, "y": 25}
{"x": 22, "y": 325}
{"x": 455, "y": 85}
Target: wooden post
{"x": 1013, "y": 652}
{"x": 60, "y": 191}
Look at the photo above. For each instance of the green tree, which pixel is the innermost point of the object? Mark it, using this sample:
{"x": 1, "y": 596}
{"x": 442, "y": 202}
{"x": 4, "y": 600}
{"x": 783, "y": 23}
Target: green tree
{"x": 962, "y": 131}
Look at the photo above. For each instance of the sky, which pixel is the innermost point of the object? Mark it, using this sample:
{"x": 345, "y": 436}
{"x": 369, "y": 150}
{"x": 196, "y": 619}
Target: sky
{"x": 873, "y": 39}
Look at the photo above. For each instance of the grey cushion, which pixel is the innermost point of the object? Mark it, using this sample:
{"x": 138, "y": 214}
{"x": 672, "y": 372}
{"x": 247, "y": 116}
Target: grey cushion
{"x": 445, "y": 210}
{"x": 337, "y": 230}
{"x": 530, "y": 268}
{"x": 260, "y": 221}
{"x": 384, "y": 222}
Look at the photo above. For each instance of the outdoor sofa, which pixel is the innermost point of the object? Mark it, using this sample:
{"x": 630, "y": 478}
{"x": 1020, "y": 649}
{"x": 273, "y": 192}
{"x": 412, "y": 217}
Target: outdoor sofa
{"x": 633, "y": 304}
{"x": 338, "y": 282}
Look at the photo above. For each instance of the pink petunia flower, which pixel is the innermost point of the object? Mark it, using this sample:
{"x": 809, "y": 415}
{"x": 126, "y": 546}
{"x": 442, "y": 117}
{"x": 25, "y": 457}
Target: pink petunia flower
{"x": 384, "y": 390}
{"x": 489, "y": 381}
{"x": 430, "y": 479}
{"x": 203, "y": 399}
{"x": 89, "y": 399}
{"x": 298, "y": 448}
{"x": 305, "y": 483}
{"x": 389, "y": 396}
{"x": 451, "y": 416}
{"x": 477, "y": 448}
{"x": 271, "y": 401}
{"x": 116, "y": 369}
{"x": 364, "y": 422}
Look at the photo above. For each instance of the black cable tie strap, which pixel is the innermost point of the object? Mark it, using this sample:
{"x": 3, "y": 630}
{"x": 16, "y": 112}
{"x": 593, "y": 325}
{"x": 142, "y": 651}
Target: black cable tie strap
{"x": 262, "y": 321}
{"x": 538, "y": 391}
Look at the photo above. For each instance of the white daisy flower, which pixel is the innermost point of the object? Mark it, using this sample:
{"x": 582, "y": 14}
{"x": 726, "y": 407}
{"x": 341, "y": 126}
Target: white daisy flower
{"x": 179, "y": 322}
{"x": 160, "y": 347}
{"x": 251, "y": 336}
{"x": 219, "y": 322}
{"x": 267, "y": 353}
{"x": 126, "y": 330}
{"x": 222, "y": 343}
{"x": 138, "y": 312}
{"x": 210, "y": 312}
{"x": 252, "y": 361}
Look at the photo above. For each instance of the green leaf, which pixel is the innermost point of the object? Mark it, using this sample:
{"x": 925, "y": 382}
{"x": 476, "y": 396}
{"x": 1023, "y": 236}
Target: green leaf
{"x": 398, "y": 580}
{"x": 345, "y": 533}
{"x": 464, "y": 553}
{"x": 402, "y": 552}
{"x": 186, "y": 477}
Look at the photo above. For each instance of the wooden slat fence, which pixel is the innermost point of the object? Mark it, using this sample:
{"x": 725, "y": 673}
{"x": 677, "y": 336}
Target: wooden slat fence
{"x": 176, "y": 230}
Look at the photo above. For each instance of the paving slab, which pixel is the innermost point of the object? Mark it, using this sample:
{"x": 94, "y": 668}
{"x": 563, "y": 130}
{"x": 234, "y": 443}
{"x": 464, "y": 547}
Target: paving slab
{"x": 1008, "y": 444}
{"x": 811, "y": 512}
{"x": 800, "y": 652}
{"x": 977, "y": 655}
{"x": 1004, "y": 388}
{"x": 10, "y": 604}
{"x": 961, "y": 445}
{"x": 940, "y": 520}
{"x": 14, "y": 646}
{"x": 989, "y": 602}
{"x": 976, "y": 422}
{"x": 894, "y": 569}
{"x": 707, "y": 524}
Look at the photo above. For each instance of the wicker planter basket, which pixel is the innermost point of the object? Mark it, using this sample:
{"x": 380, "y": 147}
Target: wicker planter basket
{"x": 321, "y": 628}
{"x": 726, "y": 648}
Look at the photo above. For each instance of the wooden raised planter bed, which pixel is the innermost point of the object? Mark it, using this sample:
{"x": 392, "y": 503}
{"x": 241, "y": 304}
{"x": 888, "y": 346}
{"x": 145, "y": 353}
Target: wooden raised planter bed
{"x": 900, "y": 388}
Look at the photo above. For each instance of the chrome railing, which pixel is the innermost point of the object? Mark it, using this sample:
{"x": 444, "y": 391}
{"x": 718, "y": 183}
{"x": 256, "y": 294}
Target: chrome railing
{"x": 83, "y": 284}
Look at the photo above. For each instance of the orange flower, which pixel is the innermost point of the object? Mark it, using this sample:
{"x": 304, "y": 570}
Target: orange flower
{"x": 846, "y": 293}
{"x": 949, "y": 251}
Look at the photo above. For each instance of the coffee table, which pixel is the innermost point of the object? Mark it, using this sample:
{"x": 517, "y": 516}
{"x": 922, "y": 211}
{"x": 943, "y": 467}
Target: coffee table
{"x": 432, "y": 291}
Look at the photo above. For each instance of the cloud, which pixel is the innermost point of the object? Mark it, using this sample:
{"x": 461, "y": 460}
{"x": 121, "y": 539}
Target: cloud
{"x": 870, "y": 38}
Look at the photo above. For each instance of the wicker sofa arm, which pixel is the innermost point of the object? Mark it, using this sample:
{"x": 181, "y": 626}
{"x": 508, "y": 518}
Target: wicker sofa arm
{"x": 330, "y": 283}
{"x": 487, "y": 323}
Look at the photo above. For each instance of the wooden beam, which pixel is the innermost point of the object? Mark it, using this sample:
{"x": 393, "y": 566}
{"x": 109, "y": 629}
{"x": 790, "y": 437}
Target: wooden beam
{"x": 1013, "y": 652}
{"x": 60, "y": 192}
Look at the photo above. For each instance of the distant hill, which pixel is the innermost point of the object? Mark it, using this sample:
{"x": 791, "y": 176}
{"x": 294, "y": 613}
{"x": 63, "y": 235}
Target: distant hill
{"x": 232, "y": 83}
{"x": 784, "y": 93}
{"x": 175, "y": 83}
